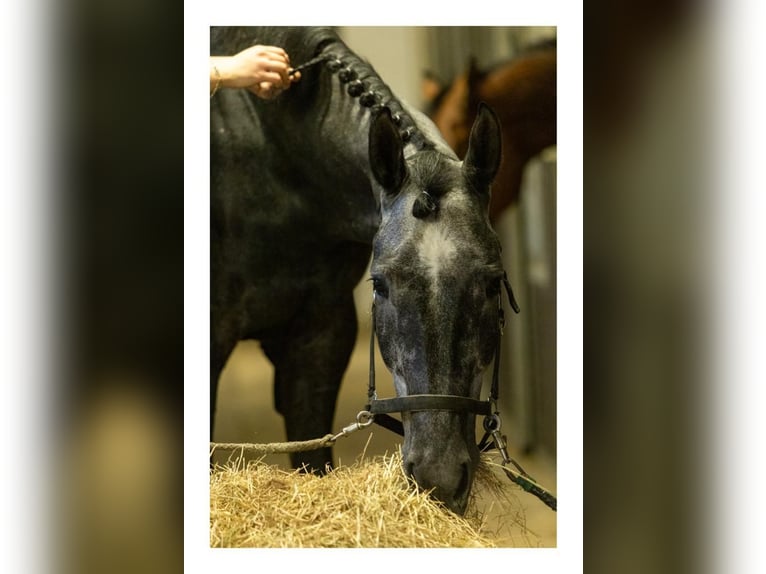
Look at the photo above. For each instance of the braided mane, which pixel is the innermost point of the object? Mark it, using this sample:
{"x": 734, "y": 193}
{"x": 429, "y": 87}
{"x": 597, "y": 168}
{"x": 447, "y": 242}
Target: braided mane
{"x": 322, "y": 47}
{"x": 363, "y": 82}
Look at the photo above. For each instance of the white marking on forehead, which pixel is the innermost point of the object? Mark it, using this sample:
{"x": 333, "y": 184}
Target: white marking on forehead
{"x": 436, "y": 249}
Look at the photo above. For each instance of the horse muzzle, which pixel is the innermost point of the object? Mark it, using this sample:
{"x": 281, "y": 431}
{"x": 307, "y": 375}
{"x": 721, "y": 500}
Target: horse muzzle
{"x": 440, "y": 454}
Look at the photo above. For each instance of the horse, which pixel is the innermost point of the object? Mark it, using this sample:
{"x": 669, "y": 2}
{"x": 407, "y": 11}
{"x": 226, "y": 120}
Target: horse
{"x": 522, "y": 91}
{"x": 305, "y": 188}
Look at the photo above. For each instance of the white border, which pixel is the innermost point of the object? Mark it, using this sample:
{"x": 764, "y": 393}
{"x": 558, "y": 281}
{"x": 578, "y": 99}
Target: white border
{"x": 736, "y": 465}
{"x": 567, "y": 16}
{"x": 28, "y": 219}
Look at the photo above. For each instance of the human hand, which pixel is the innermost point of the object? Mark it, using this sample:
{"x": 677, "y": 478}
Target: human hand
{"x": 264, "y": 70}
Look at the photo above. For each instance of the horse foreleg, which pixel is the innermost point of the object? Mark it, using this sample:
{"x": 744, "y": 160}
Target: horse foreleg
{"x": 219, "y": 354}
{"x": 309, "y": 364}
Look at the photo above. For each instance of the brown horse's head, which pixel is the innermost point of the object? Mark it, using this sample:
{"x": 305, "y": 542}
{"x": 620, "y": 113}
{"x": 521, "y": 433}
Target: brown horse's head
{"x": 522, "y": 91}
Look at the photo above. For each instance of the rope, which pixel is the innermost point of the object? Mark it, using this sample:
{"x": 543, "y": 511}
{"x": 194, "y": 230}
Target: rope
{"x": 532, "y": 487}
{"x": 275, "y": 447}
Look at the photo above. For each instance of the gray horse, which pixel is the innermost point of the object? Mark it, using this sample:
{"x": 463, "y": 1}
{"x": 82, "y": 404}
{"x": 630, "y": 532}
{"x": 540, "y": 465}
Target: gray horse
{"x": 303, "y": 189}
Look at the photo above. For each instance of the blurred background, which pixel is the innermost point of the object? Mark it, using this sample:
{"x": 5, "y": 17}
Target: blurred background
{"x": 410, "y": 59}
{"x": 94, "y": 337}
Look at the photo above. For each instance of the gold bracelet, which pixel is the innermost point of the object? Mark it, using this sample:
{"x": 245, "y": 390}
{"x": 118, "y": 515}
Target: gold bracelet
{"x": 218, "y": 81}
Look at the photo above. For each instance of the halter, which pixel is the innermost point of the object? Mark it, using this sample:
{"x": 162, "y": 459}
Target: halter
{"x": 380, "y": 409}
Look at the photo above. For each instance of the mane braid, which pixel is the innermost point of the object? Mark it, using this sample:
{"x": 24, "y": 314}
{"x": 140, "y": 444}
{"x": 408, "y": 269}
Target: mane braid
{"x": 362, "y": 71}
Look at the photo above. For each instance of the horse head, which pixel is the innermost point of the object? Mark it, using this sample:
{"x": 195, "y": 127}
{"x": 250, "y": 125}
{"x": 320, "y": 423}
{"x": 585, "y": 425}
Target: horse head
{"x": 436, "y": 272}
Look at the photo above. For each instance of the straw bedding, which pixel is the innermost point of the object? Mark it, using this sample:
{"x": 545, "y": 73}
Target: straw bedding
{"x": 368, "y": 504}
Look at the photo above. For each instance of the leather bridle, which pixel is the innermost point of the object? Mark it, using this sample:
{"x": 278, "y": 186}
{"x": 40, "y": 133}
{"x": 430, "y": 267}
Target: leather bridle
{"x": 379, "y": 410}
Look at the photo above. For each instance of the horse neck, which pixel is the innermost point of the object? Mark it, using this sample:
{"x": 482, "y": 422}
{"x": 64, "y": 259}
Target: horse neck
{"x": 332, "y": 123}
{"x": 329, "y": 129}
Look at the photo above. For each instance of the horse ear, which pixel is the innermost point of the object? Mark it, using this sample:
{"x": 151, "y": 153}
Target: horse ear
{"x": 484, "y": 149}
{"x": 387, "y": 152}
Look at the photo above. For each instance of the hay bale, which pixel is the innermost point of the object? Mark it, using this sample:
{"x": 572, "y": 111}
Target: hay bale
{"x": 369, "y": 504}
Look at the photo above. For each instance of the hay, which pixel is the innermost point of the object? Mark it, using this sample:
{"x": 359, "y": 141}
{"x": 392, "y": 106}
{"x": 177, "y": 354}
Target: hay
{"x": 370, "y": 504}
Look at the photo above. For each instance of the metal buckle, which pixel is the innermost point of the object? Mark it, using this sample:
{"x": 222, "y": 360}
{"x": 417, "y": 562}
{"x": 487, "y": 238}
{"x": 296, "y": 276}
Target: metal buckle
{"x": 363, "y": 420}
{"x": 492, "y": 425}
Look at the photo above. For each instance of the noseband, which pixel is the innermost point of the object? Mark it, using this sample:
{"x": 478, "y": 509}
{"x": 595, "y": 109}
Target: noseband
{"x": 380, "y": 409}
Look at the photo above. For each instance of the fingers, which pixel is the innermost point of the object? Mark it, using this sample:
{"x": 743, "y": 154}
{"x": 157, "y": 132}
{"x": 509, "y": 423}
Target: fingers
{"x": 280, "y": 68}
{"x": 279, "y": 61}
{"x": 269, "y": 60}
{"x": 275, "y": 78}
{"x": 276, "y": 50}
{"x": 265, "y": 70}
{"x": 266, "y": 90}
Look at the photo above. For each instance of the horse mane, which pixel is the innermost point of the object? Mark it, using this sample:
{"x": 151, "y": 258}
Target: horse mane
{"x": 304, "y": 44}
{"x": 374, "y": 84}
{"x": 429, "y": 173}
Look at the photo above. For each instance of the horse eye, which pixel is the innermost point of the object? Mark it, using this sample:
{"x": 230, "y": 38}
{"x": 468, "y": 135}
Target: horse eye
{"x": 493, "y": 288}
{"x": 380, "y": 287}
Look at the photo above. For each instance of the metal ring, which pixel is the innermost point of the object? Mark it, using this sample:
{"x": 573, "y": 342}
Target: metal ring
{"x": 364, "y": 418}
{"x": 492, "y": 423}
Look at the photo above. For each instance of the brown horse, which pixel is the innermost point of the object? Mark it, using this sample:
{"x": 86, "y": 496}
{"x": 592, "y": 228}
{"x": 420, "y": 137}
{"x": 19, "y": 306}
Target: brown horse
{"x": 522, "y": 91}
